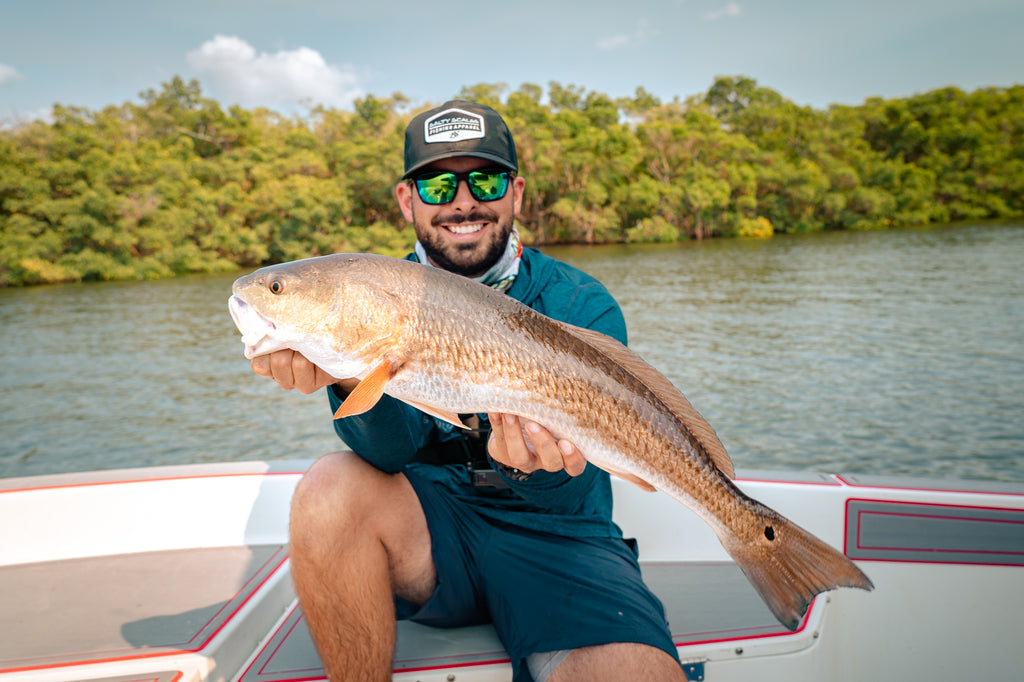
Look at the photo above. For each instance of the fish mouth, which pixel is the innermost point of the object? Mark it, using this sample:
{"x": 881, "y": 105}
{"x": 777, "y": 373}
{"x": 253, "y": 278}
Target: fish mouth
{"x": 255, "y": 328}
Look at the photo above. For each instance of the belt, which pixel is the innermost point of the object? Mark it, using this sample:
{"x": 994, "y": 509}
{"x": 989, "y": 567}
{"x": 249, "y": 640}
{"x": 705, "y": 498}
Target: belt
{"x": 469, "y": 449}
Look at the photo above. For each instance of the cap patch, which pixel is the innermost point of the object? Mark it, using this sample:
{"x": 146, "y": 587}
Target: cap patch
{"x": 453, "y": 125}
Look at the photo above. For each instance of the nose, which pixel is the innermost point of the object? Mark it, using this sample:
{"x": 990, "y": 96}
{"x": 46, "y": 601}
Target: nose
{"x": 463, "y": 197}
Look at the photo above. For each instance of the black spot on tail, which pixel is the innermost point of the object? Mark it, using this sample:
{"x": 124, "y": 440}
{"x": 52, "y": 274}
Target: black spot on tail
{"x": 769, "y": 532}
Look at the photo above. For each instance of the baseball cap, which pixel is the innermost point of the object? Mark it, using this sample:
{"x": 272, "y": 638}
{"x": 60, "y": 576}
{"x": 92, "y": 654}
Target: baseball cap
{"x": 458, "y": 128}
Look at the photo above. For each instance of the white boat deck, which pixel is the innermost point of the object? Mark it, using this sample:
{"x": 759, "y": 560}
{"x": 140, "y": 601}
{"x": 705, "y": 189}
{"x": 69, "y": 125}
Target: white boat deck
{"x": 181, "y": 573}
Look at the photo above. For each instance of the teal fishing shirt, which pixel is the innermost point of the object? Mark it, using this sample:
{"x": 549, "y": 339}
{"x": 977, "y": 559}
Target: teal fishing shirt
{"x": 389, "y": 435}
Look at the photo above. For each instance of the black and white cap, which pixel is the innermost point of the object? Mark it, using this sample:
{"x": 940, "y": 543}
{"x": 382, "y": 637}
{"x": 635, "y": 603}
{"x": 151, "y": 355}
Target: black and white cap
{"x": 458, "y": 128}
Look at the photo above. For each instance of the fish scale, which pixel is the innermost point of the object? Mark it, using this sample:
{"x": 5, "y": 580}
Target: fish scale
{"x": 448, "y": 345}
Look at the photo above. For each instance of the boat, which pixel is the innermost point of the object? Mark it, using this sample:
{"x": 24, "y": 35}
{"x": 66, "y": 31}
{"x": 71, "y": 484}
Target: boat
{"x": 181, "y": 574}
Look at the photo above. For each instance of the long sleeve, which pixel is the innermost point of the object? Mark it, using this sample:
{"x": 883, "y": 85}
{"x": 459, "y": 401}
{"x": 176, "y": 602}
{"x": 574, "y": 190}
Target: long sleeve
{"x": 388, "y": 435}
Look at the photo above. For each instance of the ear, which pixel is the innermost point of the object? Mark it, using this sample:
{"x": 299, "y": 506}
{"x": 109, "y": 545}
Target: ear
{"x": 518, "y": 187}
{"x": 403, "y": 193}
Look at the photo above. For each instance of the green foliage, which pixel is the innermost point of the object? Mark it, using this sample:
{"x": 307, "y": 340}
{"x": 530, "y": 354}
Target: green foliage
{"x": 756, "y": 228}
{"x": 177, "y": 184}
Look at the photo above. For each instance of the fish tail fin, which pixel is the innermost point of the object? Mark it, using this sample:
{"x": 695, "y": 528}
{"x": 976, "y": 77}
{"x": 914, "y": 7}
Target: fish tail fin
{"x": 789, "y": 566}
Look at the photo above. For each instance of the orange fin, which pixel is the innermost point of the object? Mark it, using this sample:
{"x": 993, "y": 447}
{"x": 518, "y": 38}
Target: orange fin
{"x": 449, "y": 417}
{"x": 366, "y": 394}
{"x": 788, "y": 566}
{"x": 663, "y": 388}
{"x": 631, "y": 478}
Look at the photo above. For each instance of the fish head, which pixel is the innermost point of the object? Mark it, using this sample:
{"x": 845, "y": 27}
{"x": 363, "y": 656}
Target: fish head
{"x": 331, "y": 309}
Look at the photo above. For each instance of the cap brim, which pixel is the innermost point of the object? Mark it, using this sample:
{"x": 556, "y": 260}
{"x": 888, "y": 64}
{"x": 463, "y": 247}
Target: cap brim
{"x": 455, "y": 154}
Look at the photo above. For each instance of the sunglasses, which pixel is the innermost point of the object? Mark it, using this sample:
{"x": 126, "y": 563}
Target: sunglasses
{"x": 440, "y": 187}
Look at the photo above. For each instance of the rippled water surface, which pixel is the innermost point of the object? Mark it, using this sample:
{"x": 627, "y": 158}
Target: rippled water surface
{"x": 897, "y": 352}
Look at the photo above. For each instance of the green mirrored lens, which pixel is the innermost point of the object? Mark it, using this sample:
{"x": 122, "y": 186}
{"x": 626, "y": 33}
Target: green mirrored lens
{"x": 488, "y": 186}
{"x": 439, "y": 189}
{"x": 442, "y": 187}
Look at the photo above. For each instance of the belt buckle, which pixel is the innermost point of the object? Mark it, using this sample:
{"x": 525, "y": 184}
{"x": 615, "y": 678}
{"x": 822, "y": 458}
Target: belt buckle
{"x": 487, "y": 478}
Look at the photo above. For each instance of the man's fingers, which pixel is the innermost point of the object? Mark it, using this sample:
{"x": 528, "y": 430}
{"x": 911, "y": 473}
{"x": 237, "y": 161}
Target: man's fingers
{"x": 261, "y": 365}
{"x": 515, "y": 444}
{"x": 294, "y": 370}
{"x": 556, "y": 455}
{"x": 305, "y": 374}
{"x": 574, "y": 461}
{"x": 545, "y": 447}
{"x": 531, "y": 447}
{"x": 507, "y": 444}
{"x": 281, "y": 368}
{"x": 496, "y": 443}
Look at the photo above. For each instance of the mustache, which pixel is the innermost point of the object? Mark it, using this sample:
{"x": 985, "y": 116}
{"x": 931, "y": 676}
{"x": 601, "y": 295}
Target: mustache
{"x": 475, "y": 216}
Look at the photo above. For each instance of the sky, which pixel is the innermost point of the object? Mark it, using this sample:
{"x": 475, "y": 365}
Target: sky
{"x": 288, "y": 54}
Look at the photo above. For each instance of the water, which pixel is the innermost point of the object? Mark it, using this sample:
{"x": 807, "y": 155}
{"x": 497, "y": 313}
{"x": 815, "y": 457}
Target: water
{"x": 897, "y": 352}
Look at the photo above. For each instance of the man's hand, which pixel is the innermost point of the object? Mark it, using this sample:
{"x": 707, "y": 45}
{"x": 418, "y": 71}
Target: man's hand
{"x": 534, "y": 450}
{"x": 292, "y": 370}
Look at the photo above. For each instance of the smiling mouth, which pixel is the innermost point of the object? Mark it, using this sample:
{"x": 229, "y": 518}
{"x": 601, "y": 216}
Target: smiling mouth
{"x": 464, "y": 228}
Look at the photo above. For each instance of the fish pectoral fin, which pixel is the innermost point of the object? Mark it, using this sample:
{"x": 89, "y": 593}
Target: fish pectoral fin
{"x": 366, "y": 394}
{"x": 632, "y": 478}
{"x": 449, "y": 417}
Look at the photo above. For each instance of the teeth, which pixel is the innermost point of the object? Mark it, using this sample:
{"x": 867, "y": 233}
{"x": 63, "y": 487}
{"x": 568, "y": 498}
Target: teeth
{"x": 465, "y": 228}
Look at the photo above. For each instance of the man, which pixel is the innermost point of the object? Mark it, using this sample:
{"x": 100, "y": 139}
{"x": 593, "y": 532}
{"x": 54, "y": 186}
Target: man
{"x": 451, "y": 528}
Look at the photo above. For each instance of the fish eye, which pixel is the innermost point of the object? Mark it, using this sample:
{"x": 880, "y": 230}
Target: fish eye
{"x": 276, "y": 286}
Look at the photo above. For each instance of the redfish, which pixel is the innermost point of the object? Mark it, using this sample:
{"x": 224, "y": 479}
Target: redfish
{"x": 448, "y": 345}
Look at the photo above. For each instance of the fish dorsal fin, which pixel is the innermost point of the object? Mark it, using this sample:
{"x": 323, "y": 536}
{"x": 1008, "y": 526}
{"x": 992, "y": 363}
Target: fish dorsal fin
{"x": 663, "y": 388}
{"x": 369, "y": 390}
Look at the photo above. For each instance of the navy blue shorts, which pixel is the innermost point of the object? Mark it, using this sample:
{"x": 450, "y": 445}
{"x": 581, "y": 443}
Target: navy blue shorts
{"x": 542, "y": 592}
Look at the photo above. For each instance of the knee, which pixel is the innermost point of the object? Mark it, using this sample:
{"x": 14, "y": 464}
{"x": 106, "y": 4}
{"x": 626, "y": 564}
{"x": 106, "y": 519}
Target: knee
{"x": 331, "y": 496}
{"x": 327, "y": 477}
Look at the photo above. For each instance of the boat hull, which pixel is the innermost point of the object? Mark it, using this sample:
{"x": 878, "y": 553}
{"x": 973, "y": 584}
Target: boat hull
{"x": 181, "y": 573}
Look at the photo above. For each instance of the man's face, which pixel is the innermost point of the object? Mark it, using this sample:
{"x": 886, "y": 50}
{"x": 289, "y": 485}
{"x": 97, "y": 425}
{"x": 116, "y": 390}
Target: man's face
{"x": 466, "y": 236}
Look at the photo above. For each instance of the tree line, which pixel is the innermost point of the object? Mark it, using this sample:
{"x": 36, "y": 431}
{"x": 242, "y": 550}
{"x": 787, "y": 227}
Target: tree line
{"x": 178, "y": 184}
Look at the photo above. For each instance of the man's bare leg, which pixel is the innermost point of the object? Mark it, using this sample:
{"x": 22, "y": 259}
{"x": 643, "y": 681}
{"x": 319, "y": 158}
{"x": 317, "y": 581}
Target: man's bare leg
{"x": 620, "y": 661}
{"x": 358, "y": 537}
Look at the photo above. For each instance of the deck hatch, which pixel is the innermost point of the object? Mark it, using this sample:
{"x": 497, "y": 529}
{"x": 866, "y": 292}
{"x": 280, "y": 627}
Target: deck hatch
{"x": 914, "y": 532}
{"x": 125, "y": 606}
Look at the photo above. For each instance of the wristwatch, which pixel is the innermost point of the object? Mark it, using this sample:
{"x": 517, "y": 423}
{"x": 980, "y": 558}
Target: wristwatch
{"x": 510, "y": 472}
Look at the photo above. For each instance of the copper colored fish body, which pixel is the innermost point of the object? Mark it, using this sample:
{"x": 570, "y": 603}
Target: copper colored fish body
{"x": 448, "y": 345}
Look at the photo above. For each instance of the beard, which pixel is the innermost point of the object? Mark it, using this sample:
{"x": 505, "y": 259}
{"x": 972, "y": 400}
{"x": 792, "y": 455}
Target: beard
{"x": 470, "y": 259}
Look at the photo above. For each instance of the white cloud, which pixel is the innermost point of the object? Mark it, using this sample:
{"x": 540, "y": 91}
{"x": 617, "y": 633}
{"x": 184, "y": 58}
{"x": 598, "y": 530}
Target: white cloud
{"x": 639, "y": 35}
{"x": 281, "y": 79}
{"x": 613, "y": 42}
{"x": 8, "y": 74}
{"x": 731, "y": 10}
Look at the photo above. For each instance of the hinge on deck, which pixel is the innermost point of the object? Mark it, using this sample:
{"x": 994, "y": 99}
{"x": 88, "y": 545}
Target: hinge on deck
{"x": 694, "y": 670}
